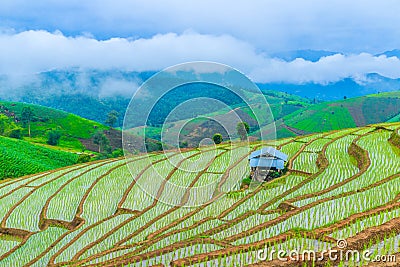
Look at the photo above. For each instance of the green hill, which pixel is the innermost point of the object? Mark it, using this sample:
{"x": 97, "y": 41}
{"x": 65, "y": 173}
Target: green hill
{"x": 187, "y": 208}
{"x": 77, "y": 133}
{"x": 204, "y": 126}
{"x": 347, "y": 113}
{"x": 23, "y": 154}
{"x": 73, "y": 128}
{"x": 293, "y": 116}
{"x": 19, "y": 158}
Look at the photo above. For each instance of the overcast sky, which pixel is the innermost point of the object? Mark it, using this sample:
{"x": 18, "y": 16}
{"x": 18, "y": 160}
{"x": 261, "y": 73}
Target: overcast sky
{"x": 150, "y": 35}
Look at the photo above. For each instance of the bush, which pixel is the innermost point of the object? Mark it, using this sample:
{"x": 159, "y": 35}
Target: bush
{"x": 217, "y": 138}
{"x": 118, "y": 153}
{"x": 246, "y": 181}
{"x": 83, "y": 158}
{"x": 153, "y": 146}
{"x": 16, "y": 133}
{"x": 183, "y": 144}
{"x": 274, "y": 174}
{"x": 53, "y": 138}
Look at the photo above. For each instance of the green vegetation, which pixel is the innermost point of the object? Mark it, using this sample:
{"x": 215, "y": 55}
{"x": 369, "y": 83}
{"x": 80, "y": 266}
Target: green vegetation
{"x": 102, "y": 141}
{"x": 293, "y": 116}
{"x": 217, "y": 138}
{"x": 320, "y": 118}
{"x": 346, "y": 113}
{"x": 281, "y": 104}
{"x": 339, "y": 185}
{"x": 9, "y": 127}
{"x": 27, "y": 117}
{"x": 83, "y": 158}
{"x": 284, "y": 133}
{"x": 112, "y": 118}
{"x": 44, "y": 130}
{"x": 242, "y": 129}
{"x": 46, "y": 126}
{"x": 37, "y": 124}
{"x": 53, "y": 138}
{"x": 19, "y": 158}
{"x": 148, "y": 131}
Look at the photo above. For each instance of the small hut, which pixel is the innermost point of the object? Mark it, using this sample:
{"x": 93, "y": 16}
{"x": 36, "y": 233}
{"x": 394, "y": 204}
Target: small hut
{"x": 266, "y": 161}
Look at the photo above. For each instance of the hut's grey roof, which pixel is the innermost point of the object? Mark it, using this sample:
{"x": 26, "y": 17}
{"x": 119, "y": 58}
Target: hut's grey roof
{"x": 267, "y": 163}
{"x": 269, "y": 152}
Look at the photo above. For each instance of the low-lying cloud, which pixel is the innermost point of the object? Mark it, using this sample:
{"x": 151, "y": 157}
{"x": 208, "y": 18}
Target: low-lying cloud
{"x": 117, "y": 87}
{"x": 328, "y": 69}
{"x": 32, "y": 52}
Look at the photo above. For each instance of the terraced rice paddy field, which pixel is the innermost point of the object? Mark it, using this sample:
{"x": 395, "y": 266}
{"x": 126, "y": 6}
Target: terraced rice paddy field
{"x": 339, "y": 185}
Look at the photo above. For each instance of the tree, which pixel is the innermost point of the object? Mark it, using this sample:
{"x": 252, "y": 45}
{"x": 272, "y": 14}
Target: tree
{"x": 15, "y": 133}
{"x": 101, "y": 140}
{"x": 26, "y": 118}
{"x": 9, "y": 128}
{"x": 118, "y": 153}
{"x": 217, "y": 138}
{"x": 183, "y": 144}
{"x": 53, "y": 138}
{"x": 152, "y": 145}
{"x": 242, "y": 129}
{"x": 112, "y": 118}
{"x": 4, "y": 121}
{"x": 83, "y": 158}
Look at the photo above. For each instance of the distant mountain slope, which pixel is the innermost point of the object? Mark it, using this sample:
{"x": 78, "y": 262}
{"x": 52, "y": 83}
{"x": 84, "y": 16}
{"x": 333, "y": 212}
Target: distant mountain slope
{"x": 293, "y": 116}
{"x": 89, "y": 93}
{"x": 347, "y": 113}
{"x": 86, "y": 106}
{"x": 92, "y": 93}
{"x": 207, "y": 124}
{"x": 372, "y": 83}
{"x": 307, "y": 54}
{"x": 391, "y": 53}
{"x": 19, "y": 158}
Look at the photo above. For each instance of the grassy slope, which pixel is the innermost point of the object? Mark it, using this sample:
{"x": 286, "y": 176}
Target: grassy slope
{"x": 33, "y": 154}
{"x": 280, "y": 104}
{"x": 320, "y": 118}
{"x": 347, "y": 113}
{"x": 46, "y": 119}
{"x": 19, "y": 158}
